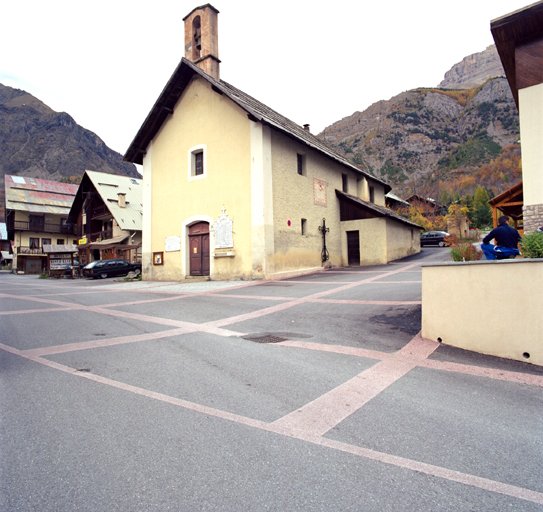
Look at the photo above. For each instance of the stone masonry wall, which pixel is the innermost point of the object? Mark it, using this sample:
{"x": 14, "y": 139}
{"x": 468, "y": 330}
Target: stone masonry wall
{"x": 533, "y": 217}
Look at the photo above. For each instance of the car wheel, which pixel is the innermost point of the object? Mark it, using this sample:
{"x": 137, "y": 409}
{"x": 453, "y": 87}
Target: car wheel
{"x": 104, "y": 275}
{"x": 441, "y": 244}
{"x": 137, "y": 271}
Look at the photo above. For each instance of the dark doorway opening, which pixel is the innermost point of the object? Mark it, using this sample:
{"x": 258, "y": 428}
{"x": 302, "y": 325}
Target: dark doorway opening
{"x": 353, "y": 248}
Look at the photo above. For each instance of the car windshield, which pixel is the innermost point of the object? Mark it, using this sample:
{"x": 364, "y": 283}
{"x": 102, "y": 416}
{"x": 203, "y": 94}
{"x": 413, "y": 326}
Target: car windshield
{"x": 92, "y": 264}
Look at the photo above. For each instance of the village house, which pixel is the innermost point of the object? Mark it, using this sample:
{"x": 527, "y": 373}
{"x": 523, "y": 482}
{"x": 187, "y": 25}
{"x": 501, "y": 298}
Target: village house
{"x": 519, "y": 41}
{"x": 107, "y": 212}
{"x": 234, "y": 190}
{"x": 37, "y": 222}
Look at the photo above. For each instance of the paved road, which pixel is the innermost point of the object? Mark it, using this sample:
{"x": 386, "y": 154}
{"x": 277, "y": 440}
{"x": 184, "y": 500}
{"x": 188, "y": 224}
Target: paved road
{"x": 315, "y": 393}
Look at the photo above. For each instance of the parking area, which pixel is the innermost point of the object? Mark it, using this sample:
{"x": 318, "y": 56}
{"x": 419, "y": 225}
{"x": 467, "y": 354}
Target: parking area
{"x": 310, "y": 393}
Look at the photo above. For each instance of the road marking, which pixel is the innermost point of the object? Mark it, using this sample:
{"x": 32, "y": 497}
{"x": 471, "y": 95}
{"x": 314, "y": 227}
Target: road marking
{"x": 330, "y": 409}
{"x": 385, "y": 458}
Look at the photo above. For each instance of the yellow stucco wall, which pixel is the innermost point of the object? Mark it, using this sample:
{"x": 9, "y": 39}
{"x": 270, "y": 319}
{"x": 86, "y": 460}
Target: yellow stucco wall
{"x": 488, "y": 307}
{"x": 531, "y": 135}
{"x": 402, "y": 240}
{"x": 373, "y": 240}
{"x": 293, "y": 200}
{"x": 201, "y": 117}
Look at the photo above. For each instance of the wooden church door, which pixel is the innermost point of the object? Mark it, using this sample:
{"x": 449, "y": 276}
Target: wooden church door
{"x": 199, "y": 249}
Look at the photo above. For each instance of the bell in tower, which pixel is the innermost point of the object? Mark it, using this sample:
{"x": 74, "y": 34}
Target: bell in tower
{"x": 202, "y": 40}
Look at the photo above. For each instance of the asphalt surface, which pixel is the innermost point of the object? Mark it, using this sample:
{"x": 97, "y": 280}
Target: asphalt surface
{"x": 314, "y": 393}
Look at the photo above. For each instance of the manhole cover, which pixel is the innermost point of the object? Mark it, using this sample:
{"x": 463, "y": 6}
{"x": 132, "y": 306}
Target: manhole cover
{"x": 268, "y": 338}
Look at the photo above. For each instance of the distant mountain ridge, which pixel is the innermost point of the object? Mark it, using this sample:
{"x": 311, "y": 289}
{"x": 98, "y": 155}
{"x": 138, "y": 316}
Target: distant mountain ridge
{"x": 420, "y": 140}
{"x": 37, "y": 142}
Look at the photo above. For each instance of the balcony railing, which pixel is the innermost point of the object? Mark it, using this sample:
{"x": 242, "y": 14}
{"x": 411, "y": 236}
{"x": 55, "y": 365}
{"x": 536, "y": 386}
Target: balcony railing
{"x": 20, "y": 225}
{"x": 97, "y": 236}
{"x": 30, "y": 250}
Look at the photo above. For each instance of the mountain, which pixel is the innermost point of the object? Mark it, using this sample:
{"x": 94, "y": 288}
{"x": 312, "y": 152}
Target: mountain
{"x": 38, "y": 142}
{"x": 474, "y": 70}
{"x": 425, "y": 140}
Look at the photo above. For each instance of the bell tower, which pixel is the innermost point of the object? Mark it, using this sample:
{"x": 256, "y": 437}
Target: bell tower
{"x": 202, "y": 39}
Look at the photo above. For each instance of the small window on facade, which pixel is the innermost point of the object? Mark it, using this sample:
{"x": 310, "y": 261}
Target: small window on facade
{"x": 345, "y": 182}
{"x": 372, "y": 195}
{"x": 60, "y": 241}
{"x": 197, "y": 162}
{"x": 34, "y": 243}
{"x": 300, "y": 164}
{"x": 304, "y": 226}
{"x": 45, "y": 241}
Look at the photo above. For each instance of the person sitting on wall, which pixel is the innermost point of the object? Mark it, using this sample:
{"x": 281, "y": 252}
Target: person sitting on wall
{"x": 507, "y": 239}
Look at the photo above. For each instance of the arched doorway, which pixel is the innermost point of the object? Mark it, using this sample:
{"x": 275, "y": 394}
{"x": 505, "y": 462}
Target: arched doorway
{"x": 199, "y": 249}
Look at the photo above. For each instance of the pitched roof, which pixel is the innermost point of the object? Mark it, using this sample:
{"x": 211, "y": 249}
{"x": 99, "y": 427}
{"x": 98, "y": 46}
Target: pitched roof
{"x": 109, "y": 186}
{"x": 379, "y": 211}
{"x": 38, "y": 196}
{"x": 256, "y": 111}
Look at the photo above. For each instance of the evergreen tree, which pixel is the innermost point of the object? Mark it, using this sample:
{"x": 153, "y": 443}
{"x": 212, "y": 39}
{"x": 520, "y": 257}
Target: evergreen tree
{"x": 482, "y": 212}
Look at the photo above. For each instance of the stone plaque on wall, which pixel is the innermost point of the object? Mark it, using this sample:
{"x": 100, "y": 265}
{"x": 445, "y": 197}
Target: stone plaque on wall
{"x": 223, "y": 231}
{"x": 173, "y": 243}
{"x": 319, "y": 191}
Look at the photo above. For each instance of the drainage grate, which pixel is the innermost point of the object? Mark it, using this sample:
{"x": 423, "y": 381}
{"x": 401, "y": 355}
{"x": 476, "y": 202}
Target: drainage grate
{"x": 268, "y": 338}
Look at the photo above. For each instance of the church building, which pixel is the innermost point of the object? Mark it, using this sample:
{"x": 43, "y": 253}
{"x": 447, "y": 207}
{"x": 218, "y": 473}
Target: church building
{"x": 234, "y": 190}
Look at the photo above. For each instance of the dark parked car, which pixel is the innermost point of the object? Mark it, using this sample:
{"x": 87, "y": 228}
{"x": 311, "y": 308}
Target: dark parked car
{"x": 434, "y": 238}
{"x": 110, "y": 268}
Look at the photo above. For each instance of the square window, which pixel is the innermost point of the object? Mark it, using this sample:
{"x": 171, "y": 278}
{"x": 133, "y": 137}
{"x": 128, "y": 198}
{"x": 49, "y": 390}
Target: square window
{"x": 60, "y": 241}
{"x": 372, "y": 195}
{"x": 34, "y": 243}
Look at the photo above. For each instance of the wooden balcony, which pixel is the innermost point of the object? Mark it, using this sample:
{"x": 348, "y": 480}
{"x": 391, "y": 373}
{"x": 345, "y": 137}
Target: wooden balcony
{"x": 30, "y": 250}
{"x": 37, "y": 227}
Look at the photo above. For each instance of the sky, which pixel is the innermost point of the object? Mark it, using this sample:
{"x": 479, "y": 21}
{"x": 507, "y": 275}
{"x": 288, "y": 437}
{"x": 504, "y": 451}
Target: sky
{"x": 106, "y": 62}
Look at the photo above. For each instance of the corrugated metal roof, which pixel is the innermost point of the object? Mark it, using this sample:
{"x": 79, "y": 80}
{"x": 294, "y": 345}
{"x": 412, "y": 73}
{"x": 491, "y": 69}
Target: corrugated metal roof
{"x": 109, "y": 186}
{"x": 40, "y": 196}
{"x": 3, "y": 231}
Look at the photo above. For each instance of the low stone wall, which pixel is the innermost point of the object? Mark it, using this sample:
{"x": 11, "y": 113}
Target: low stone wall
{"x": 490, "y": 307}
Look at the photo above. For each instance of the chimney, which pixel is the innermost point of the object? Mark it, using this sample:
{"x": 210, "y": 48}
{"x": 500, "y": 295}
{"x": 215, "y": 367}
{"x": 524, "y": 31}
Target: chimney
{"x": 121, "y": 199}
{"x": 306, "y": 127}
{"x": 202, "y": 39}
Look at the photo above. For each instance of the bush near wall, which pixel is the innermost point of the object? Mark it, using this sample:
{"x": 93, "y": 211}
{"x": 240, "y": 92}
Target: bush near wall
{"x": 532, "y": 245}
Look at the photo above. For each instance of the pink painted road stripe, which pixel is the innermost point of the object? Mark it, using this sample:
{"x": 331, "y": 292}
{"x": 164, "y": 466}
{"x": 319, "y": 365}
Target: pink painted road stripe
{"x": 336, "y": 349}
{"x": 371, "y": 302}
{"x": 85, "y": 345}
{"x": 480, "y": 371}
{"x": 252, "y": 297}
{"x": 302, "y": 300}
{"x": 436, "y": 471}
{"x": 33, "y": 311}
{"x": 324, "y": 413}
{"x": 385, "y": 458}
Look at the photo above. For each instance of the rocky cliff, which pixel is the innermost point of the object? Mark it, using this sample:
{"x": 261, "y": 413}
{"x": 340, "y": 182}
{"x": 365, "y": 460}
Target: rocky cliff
{"x": 422, "y": 139}
{"x": 474, "y": 70}
{"x": 38, "y": 142}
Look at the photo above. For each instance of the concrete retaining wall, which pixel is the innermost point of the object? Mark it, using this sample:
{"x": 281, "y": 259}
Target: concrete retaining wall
{"x": 493, "y": 308}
